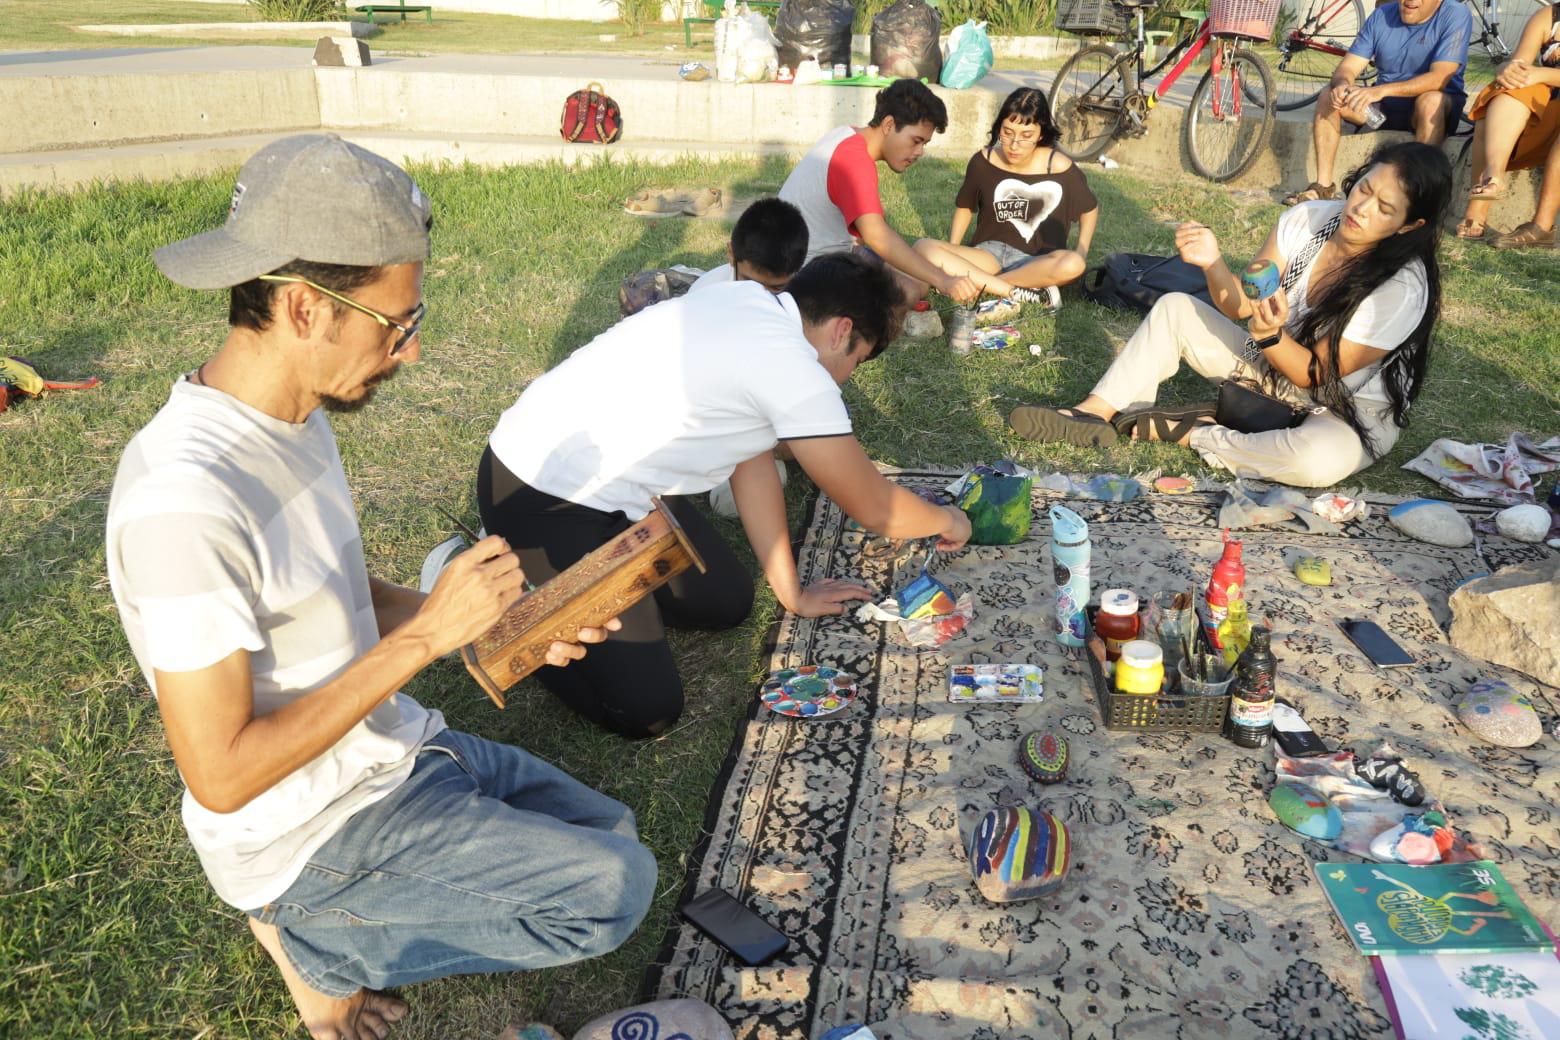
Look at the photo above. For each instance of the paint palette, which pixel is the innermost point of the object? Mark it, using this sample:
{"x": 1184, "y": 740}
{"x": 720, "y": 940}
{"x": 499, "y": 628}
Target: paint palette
{"x": 1011, "y": 683}
{"x": 808, "y": 692}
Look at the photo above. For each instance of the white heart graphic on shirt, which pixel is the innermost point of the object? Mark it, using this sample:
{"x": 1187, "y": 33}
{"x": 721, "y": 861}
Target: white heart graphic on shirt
{"x": 1025, "y": 206}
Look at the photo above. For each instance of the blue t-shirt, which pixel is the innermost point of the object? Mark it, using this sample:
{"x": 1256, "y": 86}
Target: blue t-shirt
{"x": 1404, "y": 51}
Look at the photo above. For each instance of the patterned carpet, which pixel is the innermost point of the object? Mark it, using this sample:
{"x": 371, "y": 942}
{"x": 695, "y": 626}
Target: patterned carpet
{"x": 1190, "y": 911}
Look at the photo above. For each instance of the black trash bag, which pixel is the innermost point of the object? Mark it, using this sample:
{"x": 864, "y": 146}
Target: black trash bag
{"x": 904, "y": 41}
{"x": 815, "y": 29}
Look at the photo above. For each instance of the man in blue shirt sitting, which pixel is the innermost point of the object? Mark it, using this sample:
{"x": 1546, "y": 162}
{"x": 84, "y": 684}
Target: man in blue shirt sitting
{"x": 1419, "y": 48}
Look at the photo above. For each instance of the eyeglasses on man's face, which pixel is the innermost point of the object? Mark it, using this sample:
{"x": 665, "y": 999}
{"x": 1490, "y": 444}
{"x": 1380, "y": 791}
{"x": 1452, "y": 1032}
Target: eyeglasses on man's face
{"x": 407, "y": 331}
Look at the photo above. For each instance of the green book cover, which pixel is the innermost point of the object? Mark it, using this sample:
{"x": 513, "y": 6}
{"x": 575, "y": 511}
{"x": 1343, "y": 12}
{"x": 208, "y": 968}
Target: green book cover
{"x": 1394, "y": 908}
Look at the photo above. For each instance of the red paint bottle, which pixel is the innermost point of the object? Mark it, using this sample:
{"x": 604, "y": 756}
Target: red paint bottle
{"x": 1227, "y": 584}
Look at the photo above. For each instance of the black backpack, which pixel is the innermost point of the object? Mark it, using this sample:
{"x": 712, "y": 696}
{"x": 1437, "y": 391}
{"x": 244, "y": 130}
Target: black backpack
{"x": 1133, "y": 281}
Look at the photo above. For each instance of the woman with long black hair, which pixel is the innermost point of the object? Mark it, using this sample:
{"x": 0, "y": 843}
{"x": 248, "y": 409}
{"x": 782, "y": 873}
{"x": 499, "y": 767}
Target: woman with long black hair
{"x": 1023, "y": 195}
{"x": 1346, "y": 338}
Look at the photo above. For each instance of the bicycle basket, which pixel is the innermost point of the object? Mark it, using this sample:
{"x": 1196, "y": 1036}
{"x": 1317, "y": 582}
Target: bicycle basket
{"x": 1253, "y": 19}
{"x": 1091, "y": 17}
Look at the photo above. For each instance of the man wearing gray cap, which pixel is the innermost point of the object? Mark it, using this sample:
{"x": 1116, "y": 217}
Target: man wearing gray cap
{"x": 370, "y": 845}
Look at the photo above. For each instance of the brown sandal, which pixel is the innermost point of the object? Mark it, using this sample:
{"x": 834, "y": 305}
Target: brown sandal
{"x": 1489, "y": 191}
{"x": 1525, "y": 236}
{"x": 1313, "y": 192}
{"x": 1472, "y": 229}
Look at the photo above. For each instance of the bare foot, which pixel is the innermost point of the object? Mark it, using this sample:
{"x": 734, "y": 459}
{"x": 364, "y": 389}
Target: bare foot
{"x": 365, "y": 1015}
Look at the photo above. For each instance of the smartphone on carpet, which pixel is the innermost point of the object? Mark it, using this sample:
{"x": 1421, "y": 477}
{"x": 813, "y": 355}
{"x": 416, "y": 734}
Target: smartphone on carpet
{"x": 752, "y": 939}
{"x": 1294, "y": 737}
{"x": 1375, "y": 644}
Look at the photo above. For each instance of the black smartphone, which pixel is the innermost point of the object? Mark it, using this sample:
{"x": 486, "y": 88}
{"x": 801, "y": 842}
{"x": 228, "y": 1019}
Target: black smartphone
{"x": 1375, "y": 644}
{"x": 734, "y": 926}
{"x": 1293, "y": 736}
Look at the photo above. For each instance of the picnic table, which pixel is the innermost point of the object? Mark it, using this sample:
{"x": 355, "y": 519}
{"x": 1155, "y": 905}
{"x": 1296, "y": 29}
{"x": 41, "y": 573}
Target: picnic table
{"x": 714, "y": 7}
{"x": 404, "y": 9}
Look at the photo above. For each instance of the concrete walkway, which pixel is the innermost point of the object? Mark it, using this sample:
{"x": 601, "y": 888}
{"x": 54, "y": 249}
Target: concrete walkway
{"x": 156, "y": 113}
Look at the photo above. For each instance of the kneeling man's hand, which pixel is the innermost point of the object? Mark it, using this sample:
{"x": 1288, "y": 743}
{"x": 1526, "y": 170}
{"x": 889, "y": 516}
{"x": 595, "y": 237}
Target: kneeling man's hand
{"x": 957, "y": 532}
{"x": 828, "y": 597}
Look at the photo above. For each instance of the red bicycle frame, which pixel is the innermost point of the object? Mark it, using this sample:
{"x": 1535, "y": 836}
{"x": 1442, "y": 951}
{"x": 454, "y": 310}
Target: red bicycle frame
{"x": 1303, "y": 36}
{"x": 1198, "y": 43}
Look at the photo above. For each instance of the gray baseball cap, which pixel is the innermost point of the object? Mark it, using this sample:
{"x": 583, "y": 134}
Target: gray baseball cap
{"x": 312, "y": 197}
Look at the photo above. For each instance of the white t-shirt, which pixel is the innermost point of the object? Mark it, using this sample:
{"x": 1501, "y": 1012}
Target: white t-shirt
{"x": 714, "y": 276}
{"x": 1383, "y": 320}
{"x": 229, "y": 529}
{"x": 670, "y": 400}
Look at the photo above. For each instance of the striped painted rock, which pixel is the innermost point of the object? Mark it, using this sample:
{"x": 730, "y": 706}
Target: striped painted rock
{"x": 1019, "y": 853}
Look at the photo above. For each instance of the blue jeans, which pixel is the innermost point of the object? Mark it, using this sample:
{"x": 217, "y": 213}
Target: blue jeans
{"x": 484, "y": 859}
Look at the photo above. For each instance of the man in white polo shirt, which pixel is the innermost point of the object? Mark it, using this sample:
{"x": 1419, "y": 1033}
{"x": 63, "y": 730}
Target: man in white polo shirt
{"x": 370, "y": 845}
{"x": 672, "y": 401}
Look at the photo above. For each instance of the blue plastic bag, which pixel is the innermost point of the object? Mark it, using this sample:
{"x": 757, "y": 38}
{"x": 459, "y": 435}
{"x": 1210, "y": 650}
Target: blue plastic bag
{"x": 969, "y": 56}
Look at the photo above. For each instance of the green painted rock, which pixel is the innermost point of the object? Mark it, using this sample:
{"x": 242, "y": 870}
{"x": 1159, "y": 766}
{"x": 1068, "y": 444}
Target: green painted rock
{"x": 1305, "y": 811}
{"x": 1313, "y": 570}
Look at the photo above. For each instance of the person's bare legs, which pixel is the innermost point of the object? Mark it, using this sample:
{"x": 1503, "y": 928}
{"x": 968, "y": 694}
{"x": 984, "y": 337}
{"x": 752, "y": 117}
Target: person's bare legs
{"x": 967, "y": 261}
{"x": 1494, "y": 137}
{"x": 1549, "y": 189}
{"x": 1058, "y": 267}
{"x": 365, "y": 1015}
{"x": 1326, "y": 131}
{"x": 1431, "y": 111}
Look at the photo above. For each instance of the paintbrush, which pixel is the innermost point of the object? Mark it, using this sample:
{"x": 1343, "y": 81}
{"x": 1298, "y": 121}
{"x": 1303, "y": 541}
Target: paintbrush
{"x": 452, "y": 518}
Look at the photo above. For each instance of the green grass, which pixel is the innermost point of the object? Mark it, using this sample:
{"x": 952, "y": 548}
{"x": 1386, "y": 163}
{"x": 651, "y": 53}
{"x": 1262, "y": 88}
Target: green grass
{"x": 107, "y": 926}
{"x": 51, "y": 25}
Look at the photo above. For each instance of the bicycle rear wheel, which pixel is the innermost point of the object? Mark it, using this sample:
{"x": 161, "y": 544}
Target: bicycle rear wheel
{"x": 1231, "y": 115}
{"x": 1309, "y": 52}
{"x": 1087, "y": 100}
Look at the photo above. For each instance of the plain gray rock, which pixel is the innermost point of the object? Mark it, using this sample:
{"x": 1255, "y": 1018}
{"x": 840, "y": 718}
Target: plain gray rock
{"x": 1512, "y": 617}
{"x": 1431, "y": 521}
{"x": 1523, "y": 523}
{"x": 341, "y": 52}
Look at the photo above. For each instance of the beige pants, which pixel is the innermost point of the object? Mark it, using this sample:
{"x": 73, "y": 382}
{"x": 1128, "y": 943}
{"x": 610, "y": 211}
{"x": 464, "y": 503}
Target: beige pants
{"x": 1321, "y": 451}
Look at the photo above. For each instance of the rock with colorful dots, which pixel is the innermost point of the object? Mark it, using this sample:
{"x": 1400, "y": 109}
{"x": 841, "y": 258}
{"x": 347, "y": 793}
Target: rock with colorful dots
{"x": 1497, "y": 714}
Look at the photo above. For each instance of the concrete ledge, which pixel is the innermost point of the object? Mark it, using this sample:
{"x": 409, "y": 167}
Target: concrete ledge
{"x": 290, "y": 30}
{"x": 165, "y": 160}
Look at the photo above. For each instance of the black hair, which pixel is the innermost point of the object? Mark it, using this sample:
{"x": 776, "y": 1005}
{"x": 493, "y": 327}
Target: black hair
{"x": 772, "y": 236}
{"x": 249, "y": 303}
{"x": 849, "y": 285}
{"x": 910, "y": 102}
{"x": 1029, "y": 104}
{"x": 1426, "y": 176}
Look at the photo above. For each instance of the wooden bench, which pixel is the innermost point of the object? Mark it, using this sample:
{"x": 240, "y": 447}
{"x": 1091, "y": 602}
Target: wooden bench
{"x": 404, "y": 9}
{"x": 715, "y": 7}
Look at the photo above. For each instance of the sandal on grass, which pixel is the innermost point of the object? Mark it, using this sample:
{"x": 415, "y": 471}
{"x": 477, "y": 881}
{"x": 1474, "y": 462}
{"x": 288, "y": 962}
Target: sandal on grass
{"x": 702, "y": 202}
{"x": 1064, "y": 425}
{"x": 1474, "y": 229}
{"x": 1313, "y": 192}
{"x": 1525, "y": 236}
{"x": 1161, "y": 424}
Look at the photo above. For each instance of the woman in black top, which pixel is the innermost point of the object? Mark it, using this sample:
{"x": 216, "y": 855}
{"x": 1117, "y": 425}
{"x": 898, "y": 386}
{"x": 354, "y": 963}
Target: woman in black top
{"x": 1023, "y": 196}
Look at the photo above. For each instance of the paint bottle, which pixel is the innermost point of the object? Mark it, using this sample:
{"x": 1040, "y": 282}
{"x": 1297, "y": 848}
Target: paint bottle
{"x": 1117, "y": 621}
{"x": 1070, "y": 566}
{"x": 1227, "y": 583}
{"x": 1250, "y": 720}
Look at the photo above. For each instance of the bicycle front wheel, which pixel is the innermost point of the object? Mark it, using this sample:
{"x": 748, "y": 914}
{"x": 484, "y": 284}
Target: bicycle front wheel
{"x": 1310, "y": 50}
{"x": 1088, "y": 98}
{"x": 1231, "y": 115}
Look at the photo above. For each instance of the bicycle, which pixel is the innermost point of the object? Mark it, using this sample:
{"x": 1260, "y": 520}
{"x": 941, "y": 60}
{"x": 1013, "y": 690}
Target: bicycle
{"x": 1309, "y": 52}
{"x": 1098, "y": 96}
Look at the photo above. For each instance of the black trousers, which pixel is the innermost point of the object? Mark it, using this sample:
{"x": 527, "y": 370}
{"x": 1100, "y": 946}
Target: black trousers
{"x": 628, "y": 684}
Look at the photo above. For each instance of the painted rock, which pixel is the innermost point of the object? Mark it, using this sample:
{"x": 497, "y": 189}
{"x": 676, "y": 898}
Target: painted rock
{"x": 1305, "y": 811}
{"x": 1019, "y": 853}
{"x": 1497, "y": 714}
{"x": 1419, "y": 839}
{"x": 1313, "y": 570}
{"x": 664, "y": 1019}
{"x": 1044, "y": 757}
{"x": 1433, "y": 522}
{"x": 1524, "y": 523}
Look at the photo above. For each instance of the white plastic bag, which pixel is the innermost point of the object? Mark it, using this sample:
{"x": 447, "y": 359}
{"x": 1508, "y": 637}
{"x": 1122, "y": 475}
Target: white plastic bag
{"x": 757, "y": 61}
{"x": 808, "y": 72}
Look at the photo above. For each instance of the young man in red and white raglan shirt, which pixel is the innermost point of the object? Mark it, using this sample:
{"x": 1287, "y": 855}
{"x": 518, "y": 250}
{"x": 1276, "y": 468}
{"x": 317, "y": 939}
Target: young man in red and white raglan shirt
{"x": 836, "y": 188}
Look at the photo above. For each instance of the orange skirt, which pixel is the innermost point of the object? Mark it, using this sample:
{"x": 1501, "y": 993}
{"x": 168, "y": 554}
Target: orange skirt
{"x": 1543, "y": 124}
